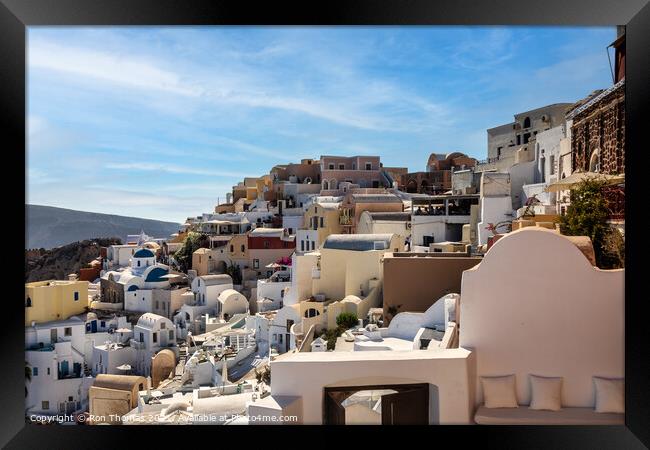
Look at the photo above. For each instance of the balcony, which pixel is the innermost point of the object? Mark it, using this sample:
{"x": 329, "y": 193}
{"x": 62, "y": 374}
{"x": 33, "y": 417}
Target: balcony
{"x": 345, "y": 220}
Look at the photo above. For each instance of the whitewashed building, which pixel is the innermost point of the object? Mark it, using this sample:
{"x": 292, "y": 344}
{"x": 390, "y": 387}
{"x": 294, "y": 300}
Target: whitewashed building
{"x": 152, "y": 334}
{"x": 54, "y": 355}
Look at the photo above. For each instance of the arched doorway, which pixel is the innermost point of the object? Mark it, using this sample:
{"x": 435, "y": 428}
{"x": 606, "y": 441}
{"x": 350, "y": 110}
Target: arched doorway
{"x": 220, "y": 267}
{"x": 594, "y": 161}
{"x": 412, "y": 186}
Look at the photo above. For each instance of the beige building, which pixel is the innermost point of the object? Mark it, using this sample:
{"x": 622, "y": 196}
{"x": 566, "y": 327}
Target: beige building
{"x": 354, "y": 204}
{"x": 414, "y": 281}
{"x": 112, "y": 396}
{"x": 206, "y": 261}
{"x": 385, "y": 222}
{"x": 348, "y": 262}
{"x": 322, "y": 218}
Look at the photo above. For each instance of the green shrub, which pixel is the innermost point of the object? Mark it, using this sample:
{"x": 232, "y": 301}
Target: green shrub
{"x": 193, "y": 241}
{"x": 347, "y": 320}
{"x": 587, "y": 215}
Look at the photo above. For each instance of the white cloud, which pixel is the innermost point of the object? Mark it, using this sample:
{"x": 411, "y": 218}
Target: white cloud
{"x": 172, "y": 168}
{"x": 114, "y": 68}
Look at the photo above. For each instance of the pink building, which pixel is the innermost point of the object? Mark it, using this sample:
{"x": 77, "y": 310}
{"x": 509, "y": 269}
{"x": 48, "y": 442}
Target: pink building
{"x": 364, "y": 171}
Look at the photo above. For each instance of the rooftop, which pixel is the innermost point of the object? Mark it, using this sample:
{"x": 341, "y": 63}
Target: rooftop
{"x": 390, "y": 216}
{"x": 358, "y": 242}
{"x": 376, "y": 198}
{"x": 213, "y": 280}
{"x": 267, "y": 232}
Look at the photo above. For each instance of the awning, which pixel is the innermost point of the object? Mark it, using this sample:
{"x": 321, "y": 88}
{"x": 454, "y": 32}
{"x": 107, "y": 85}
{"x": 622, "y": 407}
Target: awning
{"x": 577, "y": 177}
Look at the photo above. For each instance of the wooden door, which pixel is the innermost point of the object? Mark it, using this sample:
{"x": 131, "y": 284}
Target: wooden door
{"x": 335, "y": 412}
{"x": 406, "y": 408}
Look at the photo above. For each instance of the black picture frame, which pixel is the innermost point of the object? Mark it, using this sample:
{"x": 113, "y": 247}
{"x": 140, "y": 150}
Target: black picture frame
{"x": 16, "y": 15}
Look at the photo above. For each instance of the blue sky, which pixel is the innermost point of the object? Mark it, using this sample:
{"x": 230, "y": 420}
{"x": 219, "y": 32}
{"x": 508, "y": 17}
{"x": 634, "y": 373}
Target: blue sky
{"x": 158, "y": 122}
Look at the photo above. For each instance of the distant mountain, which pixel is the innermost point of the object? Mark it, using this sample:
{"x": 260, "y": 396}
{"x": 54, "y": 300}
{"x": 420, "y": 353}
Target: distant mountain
{"x": 49, "y": 227}
{"x": 58, "y": 263}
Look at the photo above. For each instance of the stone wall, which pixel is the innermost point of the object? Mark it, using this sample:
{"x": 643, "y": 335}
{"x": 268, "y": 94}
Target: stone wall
{"x": 601, "y": 127}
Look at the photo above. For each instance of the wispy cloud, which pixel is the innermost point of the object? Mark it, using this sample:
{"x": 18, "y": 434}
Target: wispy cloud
{"x": 113, "y": 68}
{"x": 172, "y": 168}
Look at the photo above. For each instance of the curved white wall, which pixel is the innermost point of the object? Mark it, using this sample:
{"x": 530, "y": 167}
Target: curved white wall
{"x": 535, "y": 305}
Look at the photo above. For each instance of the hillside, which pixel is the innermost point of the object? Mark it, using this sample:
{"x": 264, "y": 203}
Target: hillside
{"x": 41, "y": 265}
{"x": 48, "y": 227}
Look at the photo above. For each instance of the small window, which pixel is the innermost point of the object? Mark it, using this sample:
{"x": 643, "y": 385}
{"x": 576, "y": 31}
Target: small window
{"x": 103, "y": 324}
{"x": 315, "y": 209}
{"x": 322, "y": 222}
{"x": 552, "y": 164}
{"x": 280, "y": 339}
{"x": 162, "y": 325}
{"x": 35, "y": 371}
{"x": 141, "y": 387}
{"x": 48, "y": 370}
{"x": 354, "y": 166}
{"x": 527, "y": 122}
{"x": 141, "y": 339}
{"x": 313, "y": 245}
{"x": 155, "y": 337}
{"x": 76, "y": 296}
{"x": 232, "y": 249}
{"x": 138, "y": 263}
{"x": 45, "y": 404}
{"x": 243, "y": 248}
{"x": 28, "y": 302}
{"x": 331, "y": 166}
{"x": 157, "y": 307}
{"x": 267, "y": 244}
{"x": 67, "y": 331}
{"x": 302, "y": 246}
{"x": 368, "y": 166}
{"x": 256, "y": 264}
{"x": 171, "y": 335}
{"x": 341, "y": 166}
{"x": 70, "y": 398}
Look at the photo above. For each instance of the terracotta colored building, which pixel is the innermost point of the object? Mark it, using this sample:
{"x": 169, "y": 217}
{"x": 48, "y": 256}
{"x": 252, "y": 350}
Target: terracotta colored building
{"x": 437, "y": 178}
{"x": 362, "y": 170}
